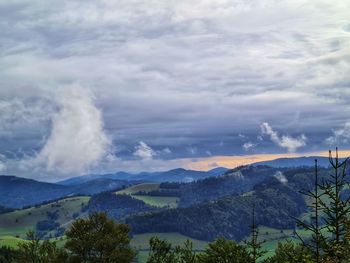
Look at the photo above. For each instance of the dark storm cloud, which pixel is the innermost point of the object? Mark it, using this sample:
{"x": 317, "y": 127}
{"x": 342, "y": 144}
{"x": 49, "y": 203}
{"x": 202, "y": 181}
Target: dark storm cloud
{"x": 187, "y": 76}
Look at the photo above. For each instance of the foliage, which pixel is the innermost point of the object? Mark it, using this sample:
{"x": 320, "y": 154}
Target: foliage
{"x": 99, "y": 239}
{"x": 335, "y": 209}
{"x": 36, "y": 251}
{"x": 227, "y": 216}
{"x": 289, "y": 252}
{"x": 117, "y": 206}
{"x": 161, "y": 251}
{"x": 223, "y": 251}
{"x": 236, "y": 181}
{"x": 8, "y": 254}
{"x": 254, "y": 245}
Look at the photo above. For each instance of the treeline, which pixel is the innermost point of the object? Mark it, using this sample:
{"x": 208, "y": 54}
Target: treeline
{"x": 278, "y": 200}
{"x": 233, "y": 182}
{"x": 227, "y": 216}
{"x": 117, "y": 206}
{"x": 4, "y": 209}
{"x": 95, "y": 239}
{"x": 100, "y": 239}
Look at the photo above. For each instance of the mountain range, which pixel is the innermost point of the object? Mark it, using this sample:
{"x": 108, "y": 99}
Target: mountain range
{"x": 20, "y": 192}
{"x": 175, "y": 175}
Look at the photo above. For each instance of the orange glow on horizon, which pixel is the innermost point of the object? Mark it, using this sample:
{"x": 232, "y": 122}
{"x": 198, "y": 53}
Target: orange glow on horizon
{"x": 204, "y": 164}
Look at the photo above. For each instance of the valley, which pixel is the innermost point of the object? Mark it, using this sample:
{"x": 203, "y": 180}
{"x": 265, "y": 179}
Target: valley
{"x": 176, "y": 211}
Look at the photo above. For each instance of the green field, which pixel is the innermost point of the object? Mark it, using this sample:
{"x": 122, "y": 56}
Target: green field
{"x": 141, "y": 243}
{"x": 18, "y": 222}
{"x": 10, "y": 241}
{"x": 146, "y": 187}
{"x": 157, "y": 201}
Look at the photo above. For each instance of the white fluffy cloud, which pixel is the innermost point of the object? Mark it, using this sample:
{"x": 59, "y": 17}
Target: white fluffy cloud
{"x": 284, "y": 141}
{"x": 341, "y": 135}
{"x": 281, "y": 177}
{"x": 248, "y": 145}
{"x": 174, "y": 73}
{"x": 144, "y": 151}
{"x": 77, "y": 139}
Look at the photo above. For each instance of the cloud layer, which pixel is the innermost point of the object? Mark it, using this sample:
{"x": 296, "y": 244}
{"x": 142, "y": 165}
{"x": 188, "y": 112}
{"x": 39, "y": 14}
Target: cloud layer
{"x": 188, "y": 76}
{"x": 284, "y": 141}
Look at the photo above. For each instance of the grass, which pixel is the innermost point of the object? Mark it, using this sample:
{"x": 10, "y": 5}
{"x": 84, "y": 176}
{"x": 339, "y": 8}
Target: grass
{"x": 10, "y": 241}
{"x": 145, "y": 187}
{"x": 157, "y": 201}
{"x": 18, "y": 222}
{"x": 141, "y": 243}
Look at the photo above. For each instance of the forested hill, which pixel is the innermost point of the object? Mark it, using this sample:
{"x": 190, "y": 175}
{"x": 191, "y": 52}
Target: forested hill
{"x": 277, "y": 200}
{"x": 18, "y": 192}
{"x": 117, "y": 206}
{"x": 235, "y": 181}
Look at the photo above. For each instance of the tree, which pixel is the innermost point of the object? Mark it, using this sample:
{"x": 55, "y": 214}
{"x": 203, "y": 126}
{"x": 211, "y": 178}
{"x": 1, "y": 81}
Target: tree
{"x": 336, "y": 210}
{"x": 161, "y": 251}
{"x": 36, "y": 251}
{"x": 99, "y": 239}
{"x": 8, "y": 254}
{"x": 223, "y": 251}
{"x": 254, "y": 245}
{"x": 289, "y": 252}
{"x": 185, "y": 253}
{"x": 317, "y": 239}
{"x": 330, "y": 205}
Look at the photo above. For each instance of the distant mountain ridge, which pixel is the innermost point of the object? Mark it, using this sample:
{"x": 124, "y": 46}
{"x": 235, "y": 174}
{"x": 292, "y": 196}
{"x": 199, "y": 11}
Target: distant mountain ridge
{"x": 306, "y": 161}
{"x": 18, "y": 192}
{"x": 174, "y": 175}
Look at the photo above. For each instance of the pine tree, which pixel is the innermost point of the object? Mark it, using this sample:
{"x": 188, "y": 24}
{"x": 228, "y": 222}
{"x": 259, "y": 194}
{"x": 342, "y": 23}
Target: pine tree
{"x": 317, "y": 239}
{"x": 254, "y": 245}
{"x": 336, "y": 210}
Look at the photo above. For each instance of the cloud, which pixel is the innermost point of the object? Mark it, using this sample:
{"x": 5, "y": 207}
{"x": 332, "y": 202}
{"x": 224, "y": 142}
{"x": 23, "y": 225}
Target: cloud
{"x": 284, "y": 141}
{"x": 248, "y": 145}
{"x": 234, "y": 64}
{"x": 340, "y": 136}
{"x": 281, "y": 177}
{"x": 192, "y": 150}
{"x": 144, "y": 151}
{"x": 77, "y": 140}
{"x": 166, "y": 151}
{"x": 2, "y": 166}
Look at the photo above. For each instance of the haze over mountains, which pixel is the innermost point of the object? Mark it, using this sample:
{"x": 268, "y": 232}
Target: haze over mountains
{"x": 19, "y": 192}
{"x": 175, "y": 175}
{"x": 199, "y": 205}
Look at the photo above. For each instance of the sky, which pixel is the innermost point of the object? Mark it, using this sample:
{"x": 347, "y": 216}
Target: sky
{"x": 136, "y": 85}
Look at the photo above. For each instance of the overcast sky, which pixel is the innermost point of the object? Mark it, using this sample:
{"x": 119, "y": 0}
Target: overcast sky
{"x": 100, "y": 86}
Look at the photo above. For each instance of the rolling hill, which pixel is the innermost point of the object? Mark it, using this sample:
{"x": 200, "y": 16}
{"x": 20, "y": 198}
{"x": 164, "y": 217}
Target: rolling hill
{"x": 19, "y": 192}
{"x": 175, "y": 175}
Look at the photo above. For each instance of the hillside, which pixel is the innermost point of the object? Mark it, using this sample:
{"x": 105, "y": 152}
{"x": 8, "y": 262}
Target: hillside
{"x": 277, "y": 200}
{"x": 117, "y": 206}
{"x": 19, "y": 192}
{"x": 296, "y": 162}
{"x": 175, "y": 175}
{"x": 62, "y": 212}
{"x": 235, "y": 181}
